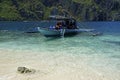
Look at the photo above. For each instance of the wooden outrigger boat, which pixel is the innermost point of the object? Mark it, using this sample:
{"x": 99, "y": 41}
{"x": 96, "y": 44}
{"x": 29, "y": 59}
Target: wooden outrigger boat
{"x": 62, "y": 26}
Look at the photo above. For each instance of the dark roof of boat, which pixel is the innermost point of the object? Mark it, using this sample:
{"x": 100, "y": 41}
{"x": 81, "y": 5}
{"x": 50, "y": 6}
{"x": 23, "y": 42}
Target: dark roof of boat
{"x": 56, "y": 17}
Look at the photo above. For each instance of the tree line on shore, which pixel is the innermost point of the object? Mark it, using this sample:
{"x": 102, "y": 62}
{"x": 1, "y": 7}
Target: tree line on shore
{"x": 82, "y": 10}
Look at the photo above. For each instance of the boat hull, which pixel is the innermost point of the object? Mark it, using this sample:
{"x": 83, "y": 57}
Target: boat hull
{"x": 49, "y": 33}
{"x": 57, "y": 33}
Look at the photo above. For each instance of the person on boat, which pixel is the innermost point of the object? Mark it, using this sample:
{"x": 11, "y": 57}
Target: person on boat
{"x": 58, "y": 25}
{"x": 70, "y": 25}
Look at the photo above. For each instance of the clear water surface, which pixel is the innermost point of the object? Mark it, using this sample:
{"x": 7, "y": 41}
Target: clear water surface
{"x": 100, "y": 52}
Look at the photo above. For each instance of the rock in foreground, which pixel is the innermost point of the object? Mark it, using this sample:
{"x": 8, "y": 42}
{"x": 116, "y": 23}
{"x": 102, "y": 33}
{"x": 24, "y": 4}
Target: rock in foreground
{"x": 25, "y": 70}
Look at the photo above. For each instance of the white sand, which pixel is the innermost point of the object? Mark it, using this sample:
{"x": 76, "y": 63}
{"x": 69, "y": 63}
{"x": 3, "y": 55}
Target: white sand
{"x": 49, "y": 66}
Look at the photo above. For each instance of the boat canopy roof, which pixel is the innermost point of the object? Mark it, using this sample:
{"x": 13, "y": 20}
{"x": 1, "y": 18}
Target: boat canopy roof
{"x": 57, "y": 17}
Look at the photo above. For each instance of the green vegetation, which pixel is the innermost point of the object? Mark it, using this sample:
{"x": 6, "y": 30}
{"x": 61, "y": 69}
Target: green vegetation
{"x": 86, "y": 2}
{"x": 83, "y": 10}
{"x": 8, "y": 11}
{"x": 47, "y": 12}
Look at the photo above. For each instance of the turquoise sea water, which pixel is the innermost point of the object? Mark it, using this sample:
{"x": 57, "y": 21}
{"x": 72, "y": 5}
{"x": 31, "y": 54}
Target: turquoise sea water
{"x": 99, "y": 52}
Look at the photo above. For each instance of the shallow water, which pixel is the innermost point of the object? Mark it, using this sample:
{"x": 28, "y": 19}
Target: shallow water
{"x": 81, "y": 57}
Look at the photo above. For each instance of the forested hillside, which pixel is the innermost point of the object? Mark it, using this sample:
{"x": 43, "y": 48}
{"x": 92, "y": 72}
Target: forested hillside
{"x": 83, "y": 10}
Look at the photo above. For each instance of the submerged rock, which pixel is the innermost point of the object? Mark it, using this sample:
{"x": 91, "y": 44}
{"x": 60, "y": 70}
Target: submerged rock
{"x": 25, "y": 70}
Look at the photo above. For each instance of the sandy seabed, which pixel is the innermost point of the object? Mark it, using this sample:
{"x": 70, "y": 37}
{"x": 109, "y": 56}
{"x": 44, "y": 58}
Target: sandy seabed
{"x": 50, "y": 66}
